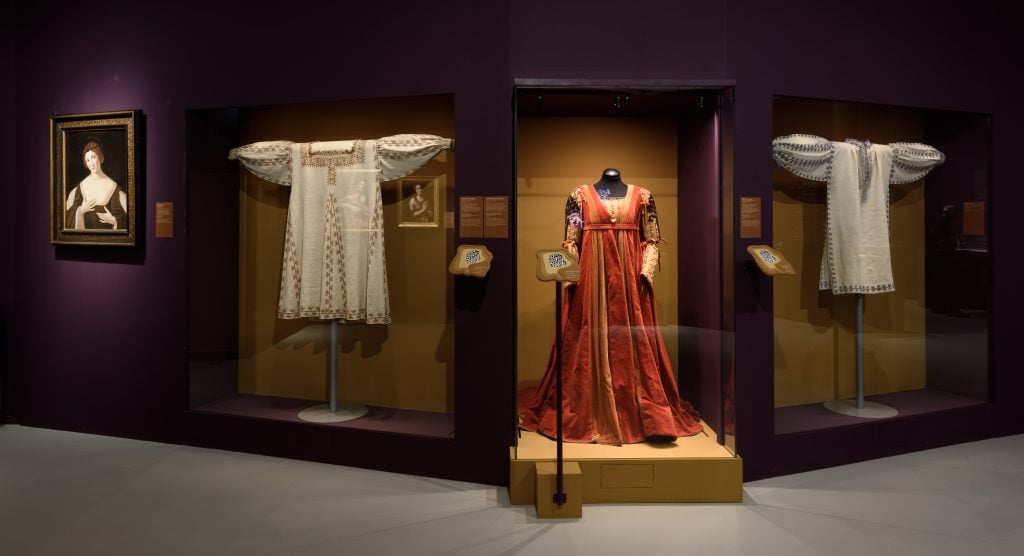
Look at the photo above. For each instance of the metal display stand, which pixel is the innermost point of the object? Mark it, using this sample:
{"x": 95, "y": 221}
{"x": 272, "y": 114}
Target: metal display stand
{"x": 559, "y": 496}
{"x": 333, "y": 412}
{"x": 558, "y": 266}
{"x": 857, "y": 407}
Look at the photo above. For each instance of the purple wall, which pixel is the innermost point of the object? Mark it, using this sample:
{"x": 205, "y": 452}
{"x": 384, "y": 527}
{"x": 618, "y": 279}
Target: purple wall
{"x": 653, "y": 39}
{"x": 101, "y": 334}
{"x": 7, "y": 226}
{"x": 1008, "y": 117}
{"x": 86, "y": 363}
{"x": 889, "y": 53}
{"x": 700, "y": 312}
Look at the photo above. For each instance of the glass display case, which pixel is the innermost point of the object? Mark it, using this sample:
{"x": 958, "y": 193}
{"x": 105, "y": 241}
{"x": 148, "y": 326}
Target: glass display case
{"x": 920, "y": 343}
{"x": 254, "y": 352}
{"x": 651, "y": 333}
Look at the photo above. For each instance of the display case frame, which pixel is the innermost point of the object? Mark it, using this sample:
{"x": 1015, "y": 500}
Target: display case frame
{"x": 246, "y": 361}
{"x": 707, "y": 328}
{"x": 768, "y": 453}
{"x": 923, "y": 348}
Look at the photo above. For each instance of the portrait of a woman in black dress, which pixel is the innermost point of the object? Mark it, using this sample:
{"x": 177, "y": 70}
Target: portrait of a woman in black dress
{"x": 96, "y": 203}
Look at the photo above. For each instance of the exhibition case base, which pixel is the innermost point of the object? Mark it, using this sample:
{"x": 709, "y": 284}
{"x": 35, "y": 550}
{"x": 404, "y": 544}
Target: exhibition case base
{"x": 572, "y": 488}
{"x": 691, "y": 469}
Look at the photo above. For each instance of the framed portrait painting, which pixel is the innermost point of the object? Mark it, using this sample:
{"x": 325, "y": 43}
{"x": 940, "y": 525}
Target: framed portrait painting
{"x": 419, "y": 196}
{"x": 93, "y": 178}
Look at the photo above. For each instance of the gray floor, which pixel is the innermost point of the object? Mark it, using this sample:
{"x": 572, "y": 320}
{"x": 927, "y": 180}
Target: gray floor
{"x": 68, "y": 493}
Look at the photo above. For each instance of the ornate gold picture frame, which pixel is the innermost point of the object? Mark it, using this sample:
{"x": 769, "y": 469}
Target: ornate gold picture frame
{"x": 94, "y": 178}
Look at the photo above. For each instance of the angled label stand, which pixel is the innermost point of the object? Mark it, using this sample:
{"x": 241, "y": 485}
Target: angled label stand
{"x": 557, "y": 265}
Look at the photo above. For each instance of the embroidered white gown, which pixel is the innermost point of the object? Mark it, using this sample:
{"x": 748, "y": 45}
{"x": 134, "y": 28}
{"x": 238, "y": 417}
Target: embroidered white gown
{"x": 856, "y": 258}
{"x": 333, "y": 265}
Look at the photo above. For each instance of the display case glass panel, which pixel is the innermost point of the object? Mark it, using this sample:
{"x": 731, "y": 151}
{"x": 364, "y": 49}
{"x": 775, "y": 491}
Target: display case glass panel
{"x": 244, "y": 359}
{"x": 924, "y": 346}
{"x": 671, "y": 143}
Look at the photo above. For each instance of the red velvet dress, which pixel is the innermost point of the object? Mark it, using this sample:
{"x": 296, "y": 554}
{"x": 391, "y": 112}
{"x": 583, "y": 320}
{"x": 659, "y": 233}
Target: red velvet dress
{"x": 618, "y": 386}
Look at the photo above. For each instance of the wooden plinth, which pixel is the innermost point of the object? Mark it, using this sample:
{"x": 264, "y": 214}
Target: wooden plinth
{"x": 692, "y": 469}
{"x": 545, "y": 490}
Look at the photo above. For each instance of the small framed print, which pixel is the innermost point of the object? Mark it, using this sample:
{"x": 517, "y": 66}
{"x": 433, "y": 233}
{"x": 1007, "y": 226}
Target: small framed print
{"x": 93, "y": 180}
{"x": 419, "y": 198}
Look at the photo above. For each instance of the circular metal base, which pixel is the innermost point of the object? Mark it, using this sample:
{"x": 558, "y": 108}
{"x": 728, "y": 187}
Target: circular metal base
{"x": 322, "y": 413}
{"x": 871, "y": 410}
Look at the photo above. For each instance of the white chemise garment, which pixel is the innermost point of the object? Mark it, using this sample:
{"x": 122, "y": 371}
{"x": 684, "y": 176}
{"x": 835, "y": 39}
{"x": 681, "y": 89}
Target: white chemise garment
{"x": 333, "y": 263}
{"x": 856, "y": 257}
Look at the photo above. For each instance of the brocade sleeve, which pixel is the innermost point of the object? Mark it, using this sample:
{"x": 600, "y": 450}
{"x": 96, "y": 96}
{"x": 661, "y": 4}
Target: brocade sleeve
{"x": 401, "y": 155}
{"x": 911, "y": 161}
{"x": 651, "y": 236}
{"x": 573, "y": 224}
{"x": 807, "y": 156}
{"x": 270, "y": 160}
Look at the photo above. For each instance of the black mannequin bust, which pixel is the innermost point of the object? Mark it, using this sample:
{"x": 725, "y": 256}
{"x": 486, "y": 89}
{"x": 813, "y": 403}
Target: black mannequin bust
{"x": 610, "y": 185}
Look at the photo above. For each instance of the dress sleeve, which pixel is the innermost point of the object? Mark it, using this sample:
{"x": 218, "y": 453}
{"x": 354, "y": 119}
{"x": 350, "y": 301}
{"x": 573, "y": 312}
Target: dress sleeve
{"x": 573, "y": 224}
{"x": 122, "y": 214}
{"x": 401, "y": 155}
{"x": 807, "y": 156}
{"x": 911, "y": 161}
{"x": 651, "y": 233}
{"x": 270, "y": 160}
{"x": 72, "y": 217}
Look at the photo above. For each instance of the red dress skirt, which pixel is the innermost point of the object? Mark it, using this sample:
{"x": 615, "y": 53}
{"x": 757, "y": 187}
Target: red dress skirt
{"x": 618, "y": 383}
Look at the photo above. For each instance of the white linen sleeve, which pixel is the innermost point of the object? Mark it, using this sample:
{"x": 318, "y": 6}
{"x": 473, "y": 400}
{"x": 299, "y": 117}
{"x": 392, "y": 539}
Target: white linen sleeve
{"x": 807, "y": 156}
{"x": 270, "y": 160}
{"x": 122, "y": 198}
{"x": 79, "y": 220}
{"x": 401, "y": 155}
{"x": 911, "y": 161}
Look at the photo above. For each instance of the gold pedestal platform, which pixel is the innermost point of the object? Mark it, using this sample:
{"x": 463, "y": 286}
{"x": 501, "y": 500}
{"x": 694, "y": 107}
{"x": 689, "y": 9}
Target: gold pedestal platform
{"x": 691, "y": 469}
{"x": 546, "y": 486}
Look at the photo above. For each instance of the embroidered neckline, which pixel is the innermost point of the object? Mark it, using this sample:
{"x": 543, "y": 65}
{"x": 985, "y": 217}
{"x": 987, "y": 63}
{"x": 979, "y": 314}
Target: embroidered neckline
{"x": 327, "y": 159}
{"x": 612, "y": 206}
{"x": 605, "y": 194}
{"x": 864, "y": 166}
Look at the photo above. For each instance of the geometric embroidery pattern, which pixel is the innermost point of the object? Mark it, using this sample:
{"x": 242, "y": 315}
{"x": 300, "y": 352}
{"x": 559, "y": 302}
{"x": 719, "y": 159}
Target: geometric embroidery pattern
{"x": 332, "y": 253}
{"x": 335, "y": 158}
{"x": 291, "y": 273}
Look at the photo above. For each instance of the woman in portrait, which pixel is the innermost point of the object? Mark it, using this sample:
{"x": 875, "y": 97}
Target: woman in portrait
{"x": 419, "y": 207}
{"x": 96, "y": 203}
